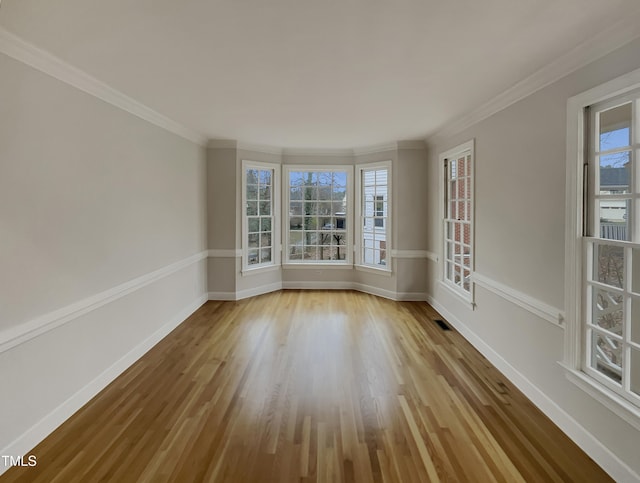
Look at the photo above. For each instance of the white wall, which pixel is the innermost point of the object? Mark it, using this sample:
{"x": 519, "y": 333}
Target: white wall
{"x": 91, "y": 198}
{"x": 520, "y": 200}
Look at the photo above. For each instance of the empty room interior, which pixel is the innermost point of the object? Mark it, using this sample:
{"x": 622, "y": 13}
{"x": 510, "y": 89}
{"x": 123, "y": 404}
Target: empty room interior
{"x": 320, "y": 241}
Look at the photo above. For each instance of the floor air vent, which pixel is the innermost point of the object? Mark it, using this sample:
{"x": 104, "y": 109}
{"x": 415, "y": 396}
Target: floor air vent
{"x": 443, "y": 325}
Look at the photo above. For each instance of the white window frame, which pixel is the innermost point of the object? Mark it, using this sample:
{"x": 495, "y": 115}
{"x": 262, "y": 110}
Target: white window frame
{"x": 576, "y": 249}
{"x": 275, "y": 218}
{"x": 348, "y": 261}
{"x": 388, "y": 221}
{"x": 467, "y": 148}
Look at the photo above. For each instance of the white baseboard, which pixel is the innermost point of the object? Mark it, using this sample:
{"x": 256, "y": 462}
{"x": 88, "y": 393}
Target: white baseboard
{"x": 317, "y": 285}
{"x": 222, "y": 296}
{"x": 252, "y": 292}
{"x": 616, "y": 468}
{"x": 34, "y": 435}
{"x": 26, "y": 331}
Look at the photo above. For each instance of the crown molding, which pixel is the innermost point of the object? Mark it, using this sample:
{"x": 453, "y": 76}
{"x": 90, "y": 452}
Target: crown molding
{"x": 260, "y": 148}
{"x": 316, "y": 152}
{"x": 359, "y": 151}
{"x": 222, "y": 144}
{"x": 22, "y": 51}
{"x": 616, "y": 36}
{"x": 412, "y": 144}
{"x": 376, "y": 148}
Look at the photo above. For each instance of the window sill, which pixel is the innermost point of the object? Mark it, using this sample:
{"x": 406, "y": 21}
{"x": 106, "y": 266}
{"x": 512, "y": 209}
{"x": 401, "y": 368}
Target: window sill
{"x": 378, "y": 271}
{"x": 256, "y": 270}
{"x": 317, "y": 266}
{"x": 464, "y": 297}
{"x": 617, "y": 404}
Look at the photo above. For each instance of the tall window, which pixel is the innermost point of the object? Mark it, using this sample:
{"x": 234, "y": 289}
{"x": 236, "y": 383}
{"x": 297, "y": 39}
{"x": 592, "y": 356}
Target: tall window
{"x": 317, "y": 213}
{"x": 374, "y": 208}
{"x": 611, "y": 271}
{"x": 260, "y": 234}
{"x": 458, "y": 218}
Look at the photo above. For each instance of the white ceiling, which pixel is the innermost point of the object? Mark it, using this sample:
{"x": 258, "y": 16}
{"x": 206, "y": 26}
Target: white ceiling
{"x": 311, "y": 73}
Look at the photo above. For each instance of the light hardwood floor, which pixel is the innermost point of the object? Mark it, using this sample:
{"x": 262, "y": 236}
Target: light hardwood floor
{"x": 310, "y": 386}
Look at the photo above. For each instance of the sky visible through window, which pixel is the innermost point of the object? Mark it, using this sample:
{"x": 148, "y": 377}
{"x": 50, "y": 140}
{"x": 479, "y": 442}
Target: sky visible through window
{"x": 612, "y": 140}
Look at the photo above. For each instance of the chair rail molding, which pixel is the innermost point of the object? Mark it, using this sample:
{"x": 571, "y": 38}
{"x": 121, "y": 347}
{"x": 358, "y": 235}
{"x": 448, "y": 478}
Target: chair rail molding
{"x": 21, "y": 333}
{"x": 544, "y": 311}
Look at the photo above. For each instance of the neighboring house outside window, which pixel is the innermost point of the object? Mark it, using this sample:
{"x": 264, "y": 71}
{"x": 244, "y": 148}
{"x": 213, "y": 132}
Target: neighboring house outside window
{"x": 373, "y": 211}
{"x": 602, "y": 341}
{"x": 457, "y": 166}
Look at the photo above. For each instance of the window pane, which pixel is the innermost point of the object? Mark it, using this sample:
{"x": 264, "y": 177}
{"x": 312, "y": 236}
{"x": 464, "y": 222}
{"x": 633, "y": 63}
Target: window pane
{"x": 265, "y": 177}
{"x": 253, "y": 240}
{"x": 310, "y": 223}
{"x": 324, "y": 208}
{"x": 635, "y": 270}
{"x": 252, "y": 257}
{"x": 615, "y": 173}
{"x": 606, "y": 356}
{"x": 615, "y": 126}
{"x": 265, "y": 224}
{"x": 296, "y": 178}
{"x": 254, "y": 224}
{"x": 310, "y": 208}
{"x": 608, "y": 310}
{"x": 252, "y": 208}
{"x": 635, "y": 371}
{"x": 608, "y": 265}
{"x": 265, "y": 208}
{"x": 265, "y": 255}
{"x": 265, "y": 193}
{"x": 635, "y": 321}
{"x": 614, "y": 222}
{"x": 265, "y": 240}
{"x": 252, "y": 192}
{"x": 252, "y": 176}
{"x": 295, "y": 194}
{"x": 310, "y": 253}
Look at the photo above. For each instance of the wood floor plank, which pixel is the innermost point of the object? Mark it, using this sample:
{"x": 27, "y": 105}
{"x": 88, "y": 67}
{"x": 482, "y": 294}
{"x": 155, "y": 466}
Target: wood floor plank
{"x": 310, "y": 386}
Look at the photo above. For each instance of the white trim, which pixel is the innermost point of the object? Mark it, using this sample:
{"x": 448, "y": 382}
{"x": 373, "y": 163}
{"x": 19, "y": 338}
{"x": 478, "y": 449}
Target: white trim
{"x": 450, "y": 289}
{"x": 317, "y": 152}
{"x": 386, "y": 272}
{"x": 258, "y": 148}
{"x": 22, "y": 51}
{"x": 275, "y": 211}
{"x": 376, "y": 148}
{"x": 413, "y": 254}
{"x": 285, "y": 222}
{"x": 39, "y": 431}
{"x": 412, "y": 144}
{"x": 255, "y": 291}
{"x": 317, "y": 266}
{"x": 21, "y": 333}
{"x": 615, "y": 467}
{"x": 574, "y": 342}
{"x": 318, "y": 285}
{"x": 221, "y": 295}
{"x": 535, "y": 306}
{"x": 338, "y": 152}
{"x": 222, "y": 144}
{"x": 616, "y": 403}
{"x": 358, "y": 204}
{"x": 465, "y": 149}
{"x": 224, "y": 253}
{"x": 260, "y": 269}
{"x": 589, "y": 51}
